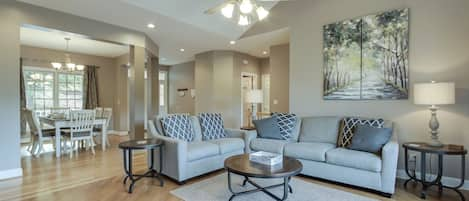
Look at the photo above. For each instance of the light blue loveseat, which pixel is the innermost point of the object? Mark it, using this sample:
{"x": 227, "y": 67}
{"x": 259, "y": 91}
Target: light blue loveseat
{"x": 314, "y": 143}
{"x": 183, "y": 160}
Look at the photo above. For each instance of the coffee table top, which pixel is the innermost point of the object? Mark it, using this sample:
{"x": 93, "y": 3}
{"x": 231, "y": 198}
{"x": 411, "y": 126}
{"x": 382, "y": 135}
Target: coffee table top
{"x": 240, "y": 164}
{"x": 141, "y": 144}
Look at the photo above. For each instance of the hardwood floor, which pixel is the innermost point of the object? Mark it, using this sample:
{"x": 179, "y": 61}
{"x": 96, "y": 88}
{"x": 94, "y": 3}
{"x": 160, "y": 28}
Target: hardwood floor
{"x": 99, "y": 177}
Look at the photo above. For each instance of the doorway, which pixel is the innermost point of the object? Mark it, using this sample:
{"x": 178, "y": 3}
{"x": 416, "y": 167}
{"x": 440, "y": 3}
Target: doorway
{"x": 248, "y": 82}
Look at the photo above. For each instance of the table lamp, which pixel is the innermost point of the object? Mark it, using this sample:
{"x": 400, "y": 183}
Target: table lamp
{"x": 434, "y": 94}
{"x": 254, "y": 97}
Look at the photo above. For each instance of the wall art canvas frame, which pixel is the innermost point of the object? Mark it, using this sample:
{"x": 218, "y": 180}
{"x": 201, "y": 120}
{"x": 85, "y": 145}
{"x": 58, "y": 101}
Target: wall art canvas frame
{"x": 367, "y": 58}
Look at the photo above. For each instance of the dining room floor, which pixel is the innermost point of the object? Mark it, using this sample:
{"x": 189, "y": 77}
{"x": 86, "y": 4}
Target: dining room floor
{"x": 99, "y": 177}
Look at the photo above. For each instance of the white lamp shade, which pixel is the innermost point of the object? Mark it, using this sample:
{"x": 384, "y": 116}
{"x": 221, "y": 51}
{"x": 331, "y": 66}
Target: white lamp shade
{"x": 254, "y": 96}
{"x": 439, "y": 93}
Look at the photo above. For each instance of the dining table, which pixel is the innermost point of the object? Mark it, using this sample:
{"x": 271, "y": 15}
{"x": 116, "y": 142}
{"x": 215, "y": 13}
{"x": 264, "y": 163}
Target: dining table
{"x": 59, "y": 124}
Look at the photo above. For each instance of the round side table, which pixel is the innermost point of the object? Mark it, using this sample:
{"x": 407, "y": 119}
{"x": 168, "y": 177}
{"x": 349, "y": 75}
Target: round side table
{"x": 147, "y": 144}
{"x": 424, "y": 149}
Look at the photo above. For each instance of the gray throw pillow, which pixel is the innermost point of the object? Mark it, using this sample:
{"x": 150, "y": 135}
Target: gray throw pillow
{"x": 268, "y": 128}
{"x": 370, "y": 139}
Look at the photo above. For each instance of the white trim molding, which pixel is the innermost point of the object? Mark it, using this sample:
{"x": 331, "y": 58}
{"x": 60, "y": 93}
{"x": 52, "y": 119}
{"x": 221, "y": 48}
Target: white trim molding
{"x": 11, "y": 173}
{"x": 448, "y": 181}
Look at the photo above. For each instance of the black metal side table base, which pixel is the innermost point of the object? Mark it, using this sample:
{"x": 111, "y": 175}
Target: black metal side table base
{"x": 286, "y": 188}
{"x": 151, "y": 173}
{"x": 437, "y": 181}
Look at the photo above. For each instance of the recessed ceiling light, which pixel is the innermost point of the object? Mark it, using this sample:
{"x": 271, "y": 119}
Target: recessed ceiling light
{"x": 232, "y": 42}
{"x": 151, "y": 26}
{"x": 182, "y": 50}
{"x": 264, "y": 52}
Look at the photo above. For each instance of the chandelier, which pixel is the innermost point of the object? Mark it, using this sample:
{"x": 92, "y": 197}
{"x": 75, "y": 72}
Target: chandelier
{"x": 70, "y": 66}
{"x": 246, "y": 12}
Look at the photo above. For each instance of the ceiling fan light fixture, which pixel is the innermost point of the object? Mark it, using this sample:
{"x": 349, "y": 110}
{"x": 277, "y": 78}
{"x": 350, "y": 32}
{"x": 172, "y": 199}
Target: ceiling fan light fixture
{"x": 227, "y": 10}
{"x": 246, "y": 6}
{"x": 243, "y": 20}
{"x": 262, "y": 13}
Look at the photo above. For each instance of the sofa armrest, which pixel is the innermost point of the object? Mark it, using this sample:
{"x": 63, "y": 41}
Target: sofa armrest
{"x": 234, "y": 133}
{"x": 174, "y": 154}
{"x": 248, "y": 137}
{"x": 389, "y": 155}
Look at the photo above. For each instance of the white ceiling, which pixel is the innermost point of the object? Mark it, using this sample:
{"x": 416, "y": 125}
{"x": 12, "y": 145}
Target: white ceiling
{"x": 78, "y": 44}
{"x": 179, "y": 24}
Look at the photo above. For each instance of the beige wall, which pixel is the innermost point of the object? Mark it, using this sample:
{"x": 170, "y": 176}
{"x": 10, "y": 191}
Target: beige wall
{"x": 218, "y": 83}
{"x": 439, "y": 49}
{"x": 279, "y": 76}
{"x": 181, "y": 76}
{"x": 9, "y": 92}
{"x": 41, "y": 57}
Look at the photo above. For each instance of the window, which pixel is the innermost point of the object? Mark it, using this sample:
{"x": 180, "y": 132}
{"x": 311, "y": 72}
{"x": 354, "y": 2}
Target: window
{"x": 39, "y": 87}
{"x": 46, "y": 89}
{"x": 70, "y": 90}
{"x": 163, "y": 83}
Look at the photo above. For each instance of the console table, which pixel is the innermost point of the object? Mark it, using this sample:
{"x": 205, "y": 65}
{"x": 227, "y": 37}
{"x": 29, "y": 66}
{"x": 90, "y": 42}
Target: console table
{"x": 425, "y": 149}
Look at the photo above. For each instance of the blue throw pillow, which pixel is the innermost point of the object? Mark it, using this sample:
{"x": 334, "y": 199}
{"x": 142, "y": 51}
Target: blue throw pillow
{"x": 370, "y": 139}
{"x": 212, "y": 126}
{"x": 268, "y": 128}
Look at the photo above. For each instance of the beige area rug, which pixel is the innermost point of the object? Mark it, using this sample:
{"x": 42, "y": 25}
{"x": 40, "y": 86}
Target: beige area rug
{"x": 216, "y": 189}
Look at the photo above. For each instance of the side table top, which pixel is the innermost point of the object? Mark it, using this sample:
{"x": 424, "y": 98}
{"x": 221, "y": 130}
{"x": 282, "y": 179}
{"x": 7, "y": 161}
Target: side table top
{"x": 141, "y": 144}
{"x": 448, "y": 149}
{"x": 240, "y": 164}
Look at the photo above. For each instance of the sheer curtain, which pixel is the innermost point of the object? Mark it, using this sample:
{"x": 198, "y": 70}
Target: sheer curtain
{"x": 90, "y": 88}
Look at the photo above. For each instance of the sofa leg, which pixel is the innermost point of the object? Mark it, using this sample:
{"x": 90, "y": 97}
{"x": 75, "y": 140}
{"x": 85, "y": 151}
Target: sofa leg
{"x": 180, "y": 183}
{"x": 388, "y": 195}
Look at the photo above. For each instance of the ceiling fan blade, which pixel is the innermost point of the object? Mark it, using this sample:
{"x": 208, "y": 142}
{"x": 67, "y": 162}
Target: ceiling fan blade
{"x": 218, "y": 7}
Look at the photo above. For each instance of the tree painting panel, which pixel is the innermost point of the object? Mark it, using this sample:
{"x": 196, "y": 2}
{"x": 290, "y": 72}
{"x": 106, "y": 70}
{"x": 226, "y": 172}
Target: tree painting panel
{"x": 367, "y": 57}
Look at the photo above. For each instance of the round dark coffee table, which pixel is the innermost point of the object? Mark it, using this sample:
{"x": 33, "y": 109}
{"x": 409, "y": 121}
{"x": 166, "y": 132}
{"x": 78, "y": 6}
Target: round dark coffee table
{"x": 241, "y": 165}
{"x": 147, "y": 144}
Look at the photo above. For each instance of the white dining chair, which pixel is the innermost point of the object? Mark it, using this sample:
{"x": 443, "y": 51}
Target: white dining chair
{"x": 107, "y": 114}
{"x": 99, "y": 112}
{"x": 39, "y": 135}
{"x": 81, "y": 129}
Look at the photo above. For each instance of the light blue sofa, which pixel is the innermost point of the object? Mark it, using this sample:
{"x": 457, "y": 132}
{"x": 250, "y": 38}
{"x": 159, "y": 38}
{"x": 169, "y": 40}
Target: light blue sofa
{"x": 314, "y": 143}
{"x": 183, "y": 160}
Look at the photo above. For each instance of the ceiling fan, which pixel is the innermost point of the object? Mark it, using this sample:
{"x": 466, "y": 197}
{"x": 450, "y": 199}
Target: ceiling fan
{"x": 245, "y": 8}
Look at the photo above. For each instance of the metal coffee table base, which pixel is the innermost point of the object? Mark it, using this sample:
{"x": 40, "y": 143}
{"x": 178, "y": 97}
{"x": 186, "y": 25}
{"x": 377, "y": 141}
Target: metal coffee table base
{"x": 286, "y": 188}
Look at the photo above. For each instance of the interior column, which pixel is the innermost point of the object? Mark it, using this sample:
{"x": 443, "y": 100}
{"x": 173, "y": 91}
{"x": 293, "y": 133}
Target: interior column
{"x": 137, "y": 92}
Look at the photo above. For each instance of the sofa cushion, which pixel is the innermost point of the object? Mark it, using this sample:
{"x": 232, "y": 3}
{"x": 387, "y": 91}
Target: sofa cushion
{"x": 370, "y": 139}
{"x": 268, "y": 128}
{"x": 268, "y": 145}
{"x": 212, "y": 126}
{"x": 199, "y": 150}
{"x": 227, "y": 145}
{"x": 315, "y": 151}
{"x": 286, "y": 122}
{"x": 354, "y": 159}
{"x": 320, "y": 129}
{"x": 348, "y": 128}
{"x": 178, "y": 126}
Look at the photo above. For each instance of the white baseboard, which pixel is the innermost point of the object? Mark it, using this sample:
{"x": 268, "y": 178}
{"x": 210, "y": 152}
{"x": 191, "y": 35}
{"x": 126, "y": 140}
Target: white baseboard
{"x": 448, "y": 181}
{"x": 120, "y": 133}
{"x": 11, "y": 173}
